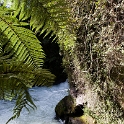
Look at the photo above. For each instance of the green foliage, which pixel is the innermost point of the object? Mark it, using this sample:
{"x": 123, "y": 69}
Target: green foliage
{"x": 16, "y": 78}
{"x": 46, "y": 16}
{"x": 21, "y": 42}
{"x": 21, "y": 59}
{"x": 43, "y": 14}
{"x": 21, "y": 54}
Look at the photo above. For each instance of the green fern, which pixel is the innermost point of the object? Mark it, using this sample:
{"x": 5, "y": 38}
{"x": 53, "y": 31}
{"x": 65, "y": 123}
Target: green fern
{"x": 21, "y": 54}
{"x": 16, "y": 78}
{"x": 47, "y": 16}
{"x": 23, "y": 101}
{"x": 26, "y": 46}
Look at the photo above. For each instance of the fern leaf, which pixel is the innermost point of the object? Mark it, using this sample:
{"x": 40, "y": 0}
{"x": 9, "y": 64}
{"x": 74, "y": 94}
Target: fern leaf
{"x": 24, "y": 42}
{"x": 23, "y": 101}
{"x": 16, "y": 78}
{"x": 47, "y": 15}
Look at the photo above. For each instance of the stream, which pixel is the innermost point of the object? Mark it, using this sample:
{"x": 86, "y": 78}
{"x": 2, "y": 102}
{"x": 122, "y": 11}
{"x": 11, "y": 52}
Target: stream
{"x": 45, "y": 98}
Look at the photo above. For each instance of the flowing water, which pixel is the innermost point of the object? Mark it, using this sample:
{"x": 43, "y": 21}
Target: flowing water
{"x": 44, "y": 98}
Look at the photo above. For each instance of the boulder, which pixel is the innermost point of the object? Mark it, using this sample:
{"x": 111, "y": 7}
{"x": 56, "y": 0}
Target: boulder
{"x": 65, "y": 107}
{"x": 68, "y": 112}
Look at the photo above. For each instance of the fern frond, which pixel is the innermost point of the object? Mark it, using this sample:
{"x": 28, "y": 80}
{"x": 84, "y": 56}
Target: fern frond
{"x": 20, "y": 52}
{"x": 25, "y": 73}
{"x": 48, "y": 16}
{"x": 23, "y": 42}
{"x": 45, "y": 16}
{"x": 23, "y": 101}
{"x": 16, "y": 78}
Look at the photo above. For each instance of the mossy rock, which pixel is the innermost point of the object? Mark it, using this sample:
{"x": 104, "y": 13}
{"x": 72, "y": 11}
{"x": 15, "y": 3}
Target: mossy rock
{"x": 85, "y": 119}
{"x": 65, "y": 107}
{"x": 66, "y": 110}
{"x": 117, "y": 74}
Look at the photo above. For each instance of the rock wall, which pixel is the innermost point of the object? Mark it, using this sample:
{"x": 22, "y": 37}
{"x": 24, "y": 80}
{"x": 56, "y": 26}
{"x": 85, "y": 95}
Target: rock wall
{"x": 99, "y": 50}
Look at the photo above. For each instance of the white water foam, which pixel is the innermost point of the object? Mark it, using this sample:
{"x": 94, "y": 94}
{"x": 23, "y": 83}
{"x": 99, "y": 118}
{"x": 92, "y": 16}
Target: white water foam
{"x": 45, "y": 98}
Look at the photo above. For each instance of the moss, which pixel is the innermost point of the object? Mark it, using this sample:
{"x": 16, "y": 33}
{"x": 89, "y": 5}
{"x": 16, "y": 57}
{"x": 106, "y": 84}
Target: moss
{"x": 65, "y": 107}
{"x": 67, "y": 110}
{"x": 99, "y": 50}
{"x": 85, "y": 119}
